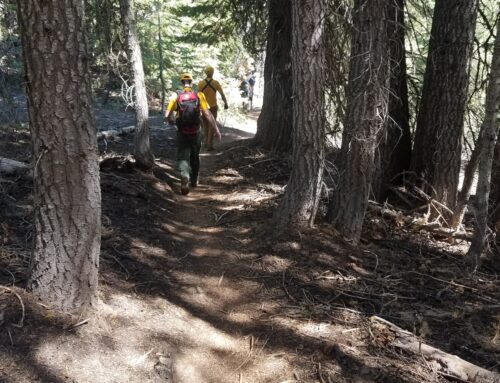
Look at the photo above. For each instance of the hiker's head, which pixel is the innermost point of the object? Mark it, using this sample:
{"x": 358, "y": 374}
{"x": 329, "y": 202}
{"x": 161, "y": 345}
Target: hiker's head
{"x": 186, "y": 79}
{"x": 209, "y": 71}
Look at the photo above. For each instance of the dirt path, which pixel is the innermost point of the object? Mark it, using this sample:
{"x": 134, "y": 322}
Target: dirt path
{"x": 194, "y": 290}
{"x": 215, "y": 346}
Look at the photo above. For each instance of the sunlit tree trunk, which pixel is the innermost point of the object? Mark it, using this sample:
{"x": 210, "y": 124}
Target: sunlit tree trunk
{"x": 274, "y": 126}
{"x": 438, "y": 139}
{"x": 63, "y": 270}
{"x": 367, "y": 108}
{"x": 142, "y": 149}
{"x": 394, "y": 149}
{"x": 488, "y": 137}
{"x": 299, "y": 204}
{"x": 160, "y": 54}
{"x": 464, "y": 194}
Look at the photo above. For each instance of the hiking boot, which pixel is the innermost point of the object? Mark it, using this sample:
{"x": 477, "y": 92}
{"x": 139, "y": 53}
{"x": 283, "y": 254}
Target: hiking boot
{"x": 184, "y": 185}
{"x": 193, "y": 184}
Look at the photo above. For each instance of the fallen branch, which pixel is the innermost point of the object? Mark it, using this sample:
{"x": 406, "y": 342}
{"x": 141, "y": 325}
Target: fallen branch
{"x": 113, "y": 133}
{"x": 448, "y": 364}
{"x": 433, "y": 227}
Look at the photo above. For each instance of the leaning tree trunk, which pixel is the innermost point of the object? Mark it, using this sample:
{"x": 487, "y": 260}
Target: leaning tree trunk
{"x": 438, "y": 139}
{"x": 464, "y": 194}
{"x": 274, "y": 126}
{"x": 63, "y": 270}
{"x": 488, "y": 137}
{"x": 394, "y": 150}
{"x": 299, "y": 205}
{"x": 142, "y": 150}
{"x": 367, "y": 108}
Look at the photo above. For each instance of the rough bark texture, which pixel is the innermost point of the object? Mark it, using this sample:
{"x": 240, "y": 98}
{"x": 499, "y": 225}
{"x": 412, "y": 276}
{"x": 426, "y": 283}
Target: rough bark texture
{"x": 367, "y": 108}
{"x": 142, "y": 149}
{"x": 63, "y": 270}
{"x": 488, "y": 137}
{"x": 274, "y": 126}
{"x": 299, "y": 205}
{"x": 160, "y": 63}
{"x": 438, "y": 138}
{"x": 393, "y": 154}
{"x": 494, "y": 204}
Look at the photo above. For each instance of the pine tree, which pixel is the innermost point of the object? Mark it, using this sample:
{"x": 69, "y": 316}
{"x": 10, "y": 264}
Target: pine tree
{"x": 63, "y": 270}
{"x": 300, "y": 203}
{"x": 367, "y": 109}
{"x": 437, "y": 151}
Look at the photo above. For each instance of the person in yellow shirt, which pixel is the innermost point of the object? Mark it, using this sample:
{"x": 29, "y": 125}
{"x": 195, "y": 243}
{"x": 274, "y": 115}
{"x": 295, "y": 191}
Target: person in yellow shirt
{"x": 209, "y": 87}
{"x": 191, "y": 109}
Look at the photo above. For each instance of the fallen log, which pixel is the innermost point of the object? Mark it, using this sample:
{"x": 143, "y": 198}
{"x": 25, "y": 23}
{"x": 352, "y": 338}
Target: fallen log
{"x": 113, "y": 133}
{"x": 15, "y": 168}
{"x": 444, "y": 363}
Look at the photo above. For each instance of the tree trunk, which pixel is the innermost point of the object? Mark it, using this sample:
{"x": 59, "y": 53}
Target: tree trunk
{"x": 464, "y": 195}
{"x": 299, "y": 205}
{"x": 142, "y": 150}
{"x": 393, "y": 154}
{"x": 488, "y": 137}
{"x": 494, "y": 204}
{"x": 438, "y": 138}
{"x": 367, "y": 108}
{"x": 160, "y": 53}
{"x": 63, "y": 270}
{"x": 274, "y": 126}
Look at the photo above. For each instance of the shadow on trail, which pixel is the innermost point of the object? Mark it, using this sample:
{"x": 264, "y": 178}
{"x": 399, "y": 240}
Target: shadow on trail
{"x": 214, "y": 254}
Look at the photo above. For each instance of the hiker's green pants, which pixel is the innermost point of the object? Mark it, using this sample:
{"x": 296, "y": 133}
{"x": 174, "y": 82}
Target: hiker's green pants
{"x": 188, "y": 155}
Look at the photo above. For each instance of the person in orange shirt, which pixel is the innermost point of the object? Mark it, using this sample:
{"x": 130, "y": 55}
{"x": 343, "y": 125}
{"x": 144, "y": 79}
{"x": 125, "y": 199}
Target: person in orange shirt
{"x": 209, "y": 87}
{"x": 190, "y": 108}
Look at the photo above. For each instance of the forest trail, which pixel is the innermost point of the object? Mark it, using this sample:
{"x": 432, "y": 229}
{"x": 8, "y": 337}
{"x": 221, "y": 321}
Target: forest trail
{"x": 195, "y": 289}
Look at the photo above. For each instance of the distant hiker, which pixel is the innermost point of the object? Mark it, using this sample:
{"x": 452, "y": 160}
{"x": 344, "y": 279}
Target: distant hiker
{"x": 251, "y": 84}
{"x": 190, "y": 107}
{"x": 209, "y": 86}
{"x": 244, "y": 88}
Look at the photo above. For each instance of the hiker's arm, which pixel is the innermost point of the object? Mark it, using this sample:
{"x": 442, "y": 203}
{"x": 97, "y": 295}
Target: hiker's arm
{"x": 168, "y": 112}
{"x": 209, "y": 119}
{"x": 223, "y": 96}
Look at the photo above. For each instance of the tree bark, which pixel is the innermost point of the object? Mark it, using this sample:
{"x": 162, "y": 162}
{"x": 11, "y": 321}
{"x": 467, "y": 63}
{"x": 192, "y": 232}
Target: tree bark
{"x": 464, "y": 194}
{"x": 274, "y": 126}
{"x": 299, "y": 205}
{"x": 367, "y": 108}
{"x": 438, "y": 139}
{"x": 64, "y": 266}
{"x": 494, "y": 204}
{"x": 142, "y": 150}
{"x": 487, "y": 137}
{"x": 160, "y": 54}
{"x": 393, "y": 154}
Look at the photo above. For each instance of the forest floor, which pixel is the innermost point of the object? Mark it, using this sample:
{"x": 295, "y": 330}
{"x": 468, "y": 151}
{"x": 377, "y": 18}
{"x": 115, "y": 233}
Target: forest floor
{"x": 200, "y": 289}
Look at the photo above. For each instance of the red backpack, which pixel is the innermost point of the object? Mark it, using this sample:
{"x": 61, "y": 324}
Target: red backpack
{"x": 188, "y": 112}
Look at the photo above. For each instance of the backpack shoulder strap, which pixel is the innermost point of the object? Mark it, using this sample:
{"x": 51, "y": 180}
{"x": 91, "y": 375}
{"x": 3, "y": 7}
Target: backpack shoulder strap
{"x": 208, "y": 82}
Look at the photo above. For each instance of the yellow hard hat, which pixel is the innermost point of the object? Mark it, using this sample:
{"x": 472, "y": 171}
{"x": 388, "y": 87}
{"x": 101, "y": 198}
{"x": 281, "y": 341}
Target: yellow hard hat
{"x": 186, "y": 76}
{"x": 209, "y": 70}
